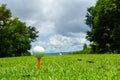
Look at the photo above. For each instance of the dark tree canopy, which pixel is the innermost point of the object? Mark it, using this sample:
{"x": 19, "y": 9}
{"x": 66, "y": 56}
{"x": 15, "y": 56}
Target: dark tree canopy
{"x": 15, "y": 36}
{"x": 104, "y": 21}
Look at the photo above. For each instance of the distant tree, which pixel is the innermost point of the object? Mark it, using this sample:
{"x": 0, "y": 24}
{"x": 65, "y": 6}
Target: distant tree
{"x": 84, "y": 46}
{"x": 15, "y": 36}
{"x": 104, "y": 21}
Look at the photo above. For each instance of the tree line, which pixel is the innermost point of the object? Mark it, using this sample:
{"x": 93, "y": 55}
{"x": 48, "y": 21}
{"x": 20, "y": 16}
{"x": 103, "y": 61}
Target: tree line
{"x": 15, "y": 35}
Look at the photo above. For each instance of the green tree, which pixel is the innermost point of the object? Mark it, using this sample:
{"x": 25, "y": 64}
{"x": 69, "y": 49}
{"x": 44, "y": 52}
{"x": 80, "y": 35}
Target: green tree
{"x": 104, "y": 21}
{"x": 84, "y": 46}
{"x": 116, "y": 39}
{"x": 15, "y": 36}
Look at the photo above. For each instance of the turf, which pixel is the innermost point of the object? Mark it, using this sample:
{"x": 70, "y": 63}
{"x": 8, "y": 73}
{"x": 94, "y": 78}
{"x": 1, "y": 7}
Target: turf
{"x": 64, "y": 67}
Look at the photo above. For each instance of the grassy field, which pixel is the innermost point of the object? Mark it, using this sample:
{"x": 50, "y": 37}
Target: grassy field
{"x": 65, "y": 67}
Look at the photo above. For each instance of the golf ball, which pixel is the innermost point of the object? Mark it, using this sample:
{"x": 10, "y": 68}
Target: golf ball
{"x": 38, "y": 51}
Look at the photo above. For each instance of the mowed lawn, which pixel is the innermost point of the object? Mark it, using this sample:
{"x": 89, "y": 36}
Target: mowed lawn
{"x": 64, "y": 67}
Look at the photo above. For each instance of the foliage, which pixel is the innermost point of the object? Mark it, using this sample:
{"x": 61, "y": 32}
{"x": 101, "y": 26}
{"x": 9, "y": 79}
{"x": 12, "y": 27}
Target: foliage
{"x": 65, "y": 67}
{"x": 15, "y": 36}
{"x": 84, "y": 51}
{"x": 84, "y": 46}
{"x": 104, "y": 21}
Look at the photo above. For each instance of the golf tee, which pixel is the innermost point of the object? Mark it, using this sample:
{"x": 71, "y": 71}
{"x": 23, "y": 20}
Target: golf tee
{"x": 39, "y": 63}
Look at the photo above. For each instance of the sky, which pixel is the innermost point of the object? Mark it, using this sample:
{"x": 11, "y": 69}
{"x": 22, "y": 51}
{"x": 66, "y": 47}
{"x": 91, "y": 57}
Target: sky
{"x": 61, "y": 23}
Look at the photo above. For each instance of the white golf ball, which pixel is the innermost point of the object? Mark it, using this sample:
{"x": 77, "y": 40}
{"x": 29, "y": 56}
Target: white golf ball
{"x": 38, "y": 51}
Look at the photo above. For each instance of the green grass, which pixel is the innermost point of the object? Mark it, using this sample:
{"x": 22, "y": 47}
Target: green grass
{"x": 65, "y": 67}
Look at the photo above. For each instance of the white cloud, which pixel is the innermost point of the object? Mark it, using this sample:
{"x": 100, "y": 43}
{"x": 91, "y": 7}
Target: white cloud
{"x": 50, "y": 9}
{"x": 59, "y": 43}
{"x": 59, "y": 40}
{"x": 46, "y": 28}
{"x": 30, "y": 22}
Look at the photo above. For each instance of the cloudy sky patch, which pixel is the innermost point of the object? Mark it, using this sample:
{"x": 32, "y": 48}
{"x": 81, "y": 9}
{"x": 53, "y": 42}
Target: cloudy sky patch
{"x": 61, "y": 23}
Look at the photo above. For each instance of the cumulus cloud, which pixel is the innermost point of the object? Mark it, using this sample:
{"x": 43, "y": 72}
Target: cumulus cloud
{"x": 61, "y": 43}
{"x": 73, "y": 19}
{"x": 64, "y": 19}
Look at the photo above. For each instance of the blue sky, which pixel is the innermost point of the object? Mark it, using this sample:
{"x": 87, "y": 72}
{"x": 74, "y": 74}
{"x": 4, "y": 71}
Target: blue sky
{"x": 61, "y": 23}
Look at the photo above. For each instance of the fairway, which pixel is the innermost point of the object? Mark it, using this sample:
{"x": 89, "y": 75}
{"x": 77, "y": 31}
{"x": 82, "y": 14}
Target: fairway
{"x": 64, "y": 67}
